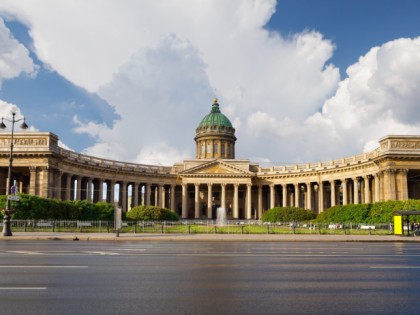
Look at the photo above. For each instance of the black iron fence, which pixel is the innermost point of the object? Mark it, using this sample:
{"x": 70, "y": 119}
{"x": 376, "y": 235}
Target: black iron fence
{"x": 201, "y": 226}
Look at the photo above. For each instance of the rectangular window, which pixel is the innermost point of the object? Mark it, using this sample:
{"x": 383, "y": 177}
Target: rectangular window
{"x": 208, "y": 148}
{"x": 222, "y": 148}
{"x": 215, "y": 148}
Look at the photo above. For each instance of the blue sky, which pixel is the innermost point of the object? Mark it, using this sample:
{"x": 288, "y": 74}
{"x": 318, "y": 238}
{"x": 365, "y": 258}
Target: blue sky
{"x": 136, "y": 89}
{"x": 354, "y": 26}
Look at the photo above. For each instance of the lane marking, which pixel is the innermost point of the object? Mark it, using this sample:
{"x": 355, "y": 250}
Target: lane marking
{"x": 102, "y": 253}
{"x": 41, "y": 266}
{"x": 395, "y": 267}
{"x": 23, "y": 288}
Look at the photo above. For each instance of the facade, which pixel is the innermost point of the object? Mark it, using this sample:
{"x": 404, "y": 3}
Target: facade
{"x": 196, "y": 188}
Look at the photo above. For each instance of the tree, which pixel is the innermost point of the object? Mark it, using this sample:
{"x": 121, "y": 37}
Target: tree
{"x": 151, "y": 213}
{"x": 287, "y": 214}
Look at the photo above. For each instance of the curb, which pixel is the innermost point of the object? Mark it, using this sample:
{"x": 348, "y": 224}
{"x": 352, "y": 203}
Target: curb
{"x": 205, "y": 237}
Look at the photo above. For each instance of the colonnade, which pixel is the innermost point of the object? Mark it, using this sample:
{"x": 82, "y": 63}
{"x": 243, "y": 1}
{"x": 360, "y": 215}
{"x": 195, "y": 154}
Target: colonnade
{"x": 244, "y": 199}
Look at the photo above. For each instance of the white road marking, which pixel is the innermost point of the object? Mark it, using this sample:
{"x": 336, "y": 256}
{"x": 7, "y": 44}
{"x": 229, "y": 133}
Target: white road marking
{"x": 41, "y": 266}
{"x": 395, "y": 267}
{"x": 23, "y": 288}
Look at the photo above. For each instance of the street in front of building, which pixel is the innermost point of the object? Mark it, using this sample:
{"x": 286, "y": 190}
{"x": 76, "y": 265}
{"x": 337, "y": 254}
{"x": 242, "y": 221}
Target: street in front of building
{"x": 68, "y": 277}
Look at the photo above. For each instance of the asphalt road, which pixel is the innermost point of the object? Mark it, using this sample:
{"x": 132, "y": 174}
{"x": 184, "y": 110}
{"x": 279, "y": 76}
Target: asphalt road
{"x": 68, "y": 277}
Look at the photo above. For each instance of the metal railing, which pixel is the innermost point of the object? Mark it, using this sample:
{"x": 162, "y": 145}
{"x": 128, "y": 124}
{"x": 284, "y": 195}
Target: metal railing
{"x": 201, "y": 227}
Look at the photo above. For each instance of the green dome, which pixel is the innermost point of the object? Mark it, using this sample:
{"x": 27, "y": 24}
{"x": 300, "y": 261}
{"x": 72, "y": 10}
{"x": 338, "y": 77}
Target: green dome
{"x": 215, "y": 118}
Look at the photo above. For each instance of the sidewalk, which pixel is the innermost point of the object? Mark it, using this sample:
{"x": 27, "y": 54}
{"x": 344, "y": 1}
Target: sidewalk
{"x": 19, "y": 236}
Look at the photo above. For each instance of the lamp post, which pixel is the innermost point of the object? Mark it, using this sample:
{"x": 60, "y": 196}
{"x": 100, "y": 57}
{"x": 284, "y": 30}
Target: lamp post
{"x": 7, "y": 231}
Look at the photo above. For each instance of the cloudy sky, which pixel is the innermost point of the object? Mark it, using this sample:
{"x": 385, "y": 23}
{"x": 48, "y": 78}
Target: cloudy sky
{"x": 301, "y": 80}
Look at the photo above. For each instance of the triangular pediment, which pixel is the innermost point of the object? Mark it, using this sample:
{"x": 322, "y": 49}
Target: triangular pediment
{"x": 216, "y": 167}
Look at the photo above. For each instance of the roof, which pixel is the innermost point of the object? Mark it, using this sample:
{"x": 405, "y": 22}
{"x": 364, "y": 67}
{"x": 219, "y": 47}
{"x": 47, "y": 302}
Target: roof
{"x": 215, "y": 118}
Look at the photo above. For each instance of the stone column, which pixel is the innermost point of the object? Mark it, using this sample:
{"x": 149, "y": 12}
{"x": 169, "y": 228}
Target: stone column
{"x": 184, "y": 201}
{"x": 43, "y": 177}
{"x": 156, "y": 194}
{"x": 284, "y": 195}
{"x": 68, "y": 187}
{"x": 377, "y": 183}
{"x": 32, "y": 180}
{"x": 223, "y": 201}
{"x": 355, "y": 190}
{"x": 162, "y": 197}
{"x": 56, "y": 184}
{"x": 321, "y": 197}
{"x": 197, "y": 201}
{"x": 345, "y": 198}
{"x": 272, "y": 198}
{"x": 89, "y": 190}
{"x": 368, "y": 198}
{"x": 112, "y": 192}
{"x": 297, "y": 195}
{"x": 248, "y": 201}
{"x": 148, "y": 193}
{"x": 402, "y": 183}
{"x": 100, "y": 189}
{"x": 260, "y": 208}
{"x": 235, "y": 201}
{"x": 309, "y": 196}
{"x": 173, "y": 197}
{"x": 333, "y": 197}
{"x": 209, "y": 201}
{"x": 123, "y": 191}
{"x": 79, "y": 187}
{"x": 135, "y": 194}
{"x": 389, "y": 179}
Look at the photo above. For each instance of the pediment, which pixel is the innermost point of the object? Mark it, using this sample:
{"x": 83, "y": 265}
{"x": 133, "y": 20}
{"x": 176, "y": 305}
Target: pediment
{"x": 216, "y": 168}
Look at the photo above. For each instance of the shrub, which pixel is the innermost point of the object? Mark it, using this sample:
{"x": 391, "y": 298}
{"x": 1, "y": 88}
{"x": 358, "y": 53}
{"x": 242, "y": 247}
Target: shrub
{"x": 379, "y": 212}
{"x": 287, "y": 214}
{"x": 151, "y": 213}
{"x": 37, "y": 208}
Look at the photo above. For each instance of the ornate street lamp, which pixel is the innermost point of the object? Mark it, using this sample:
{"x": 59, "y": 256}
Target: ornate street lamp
{"x": 7, "y": 231}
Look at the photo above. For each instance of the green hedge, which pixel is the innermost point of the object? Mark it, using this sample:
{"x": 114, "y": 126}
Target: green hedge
{"x": 37, "y": 208}
{"x": 379, "y": 212}
{"x": 151, "y": 213}
{"x": 287, "y": 214}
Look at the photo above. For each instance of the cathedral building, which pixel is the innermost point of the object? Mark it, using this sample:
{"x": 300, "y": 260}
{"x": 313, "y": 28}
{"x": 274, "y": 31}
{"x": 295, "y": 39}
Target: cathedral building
{"x": 215, "y": 178}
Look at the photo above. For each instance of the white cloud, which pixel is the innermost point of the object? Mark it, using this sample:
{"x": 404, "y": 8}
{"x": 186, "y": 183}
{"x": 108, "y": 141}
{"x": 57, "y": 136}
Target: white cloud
{"x": 6, "y": 110}
{"x": 159, "y": 93}
{"x": 159, "y": 63}
{"x": 379, "y": 97}
{"x": 14, "y": 57}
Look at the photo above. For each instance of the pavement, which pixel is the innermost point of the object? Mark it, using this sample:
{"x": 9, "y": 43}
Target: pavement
{"x": 55, "y": 236}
